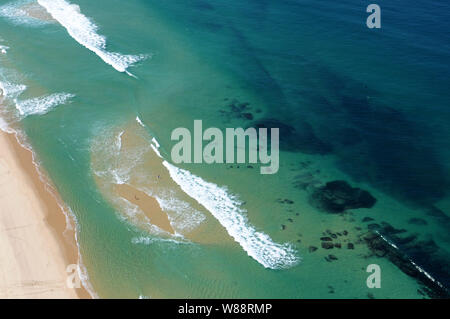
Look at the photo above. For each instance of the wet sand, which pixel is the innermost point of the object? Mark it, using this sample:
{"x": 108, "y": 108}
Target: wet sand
{"x": 134, "y": 144}
{"x": 34, "y": 10}
{"x": 35, "y": 245}
{"x": 147, "y": 204}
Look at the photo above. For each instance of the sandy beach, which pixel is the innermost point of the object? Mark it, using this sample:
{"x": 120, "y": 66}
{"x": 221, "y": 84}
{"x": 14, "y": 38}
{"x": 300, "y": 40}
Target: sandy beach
{"x": 35, "y": 247}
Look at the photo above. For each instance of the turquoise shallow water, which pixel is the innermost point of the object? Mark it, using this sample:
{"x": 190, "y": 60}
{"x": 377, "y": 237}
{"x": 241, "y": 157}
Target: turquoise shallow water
{"x": 368, "y": 107}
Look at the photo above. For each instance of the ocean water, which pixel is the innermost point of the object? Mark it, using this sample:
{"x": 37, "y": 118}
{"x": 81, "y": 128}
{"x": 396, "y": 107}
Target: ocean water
{"x": 97, "y": 87}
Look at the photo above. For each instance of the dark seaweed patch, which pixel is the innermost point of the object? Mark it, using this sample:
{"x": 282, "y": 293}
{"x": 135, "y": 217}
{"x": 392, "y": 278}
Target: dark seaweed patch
{"x": 300, "y": 138}
{"x": 338, "y": 196}
{"x": 374, "y": 142}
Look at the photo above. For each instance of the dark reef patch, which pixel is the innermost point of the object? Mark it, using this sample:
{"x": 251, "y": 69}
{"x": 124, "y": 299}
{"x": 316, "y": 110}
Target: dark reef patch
{"x": 338, "y": 196}
{"x": 237, "y": 110}
{"x": 392, "y": 149}
{"x": 403, "y": 259}
{"x": 312, "y": 249}
{"x": 394, "y": 146}
{"x": 330, "y": 258}
{"x": 327, "y": 245}
{"x": 300, "y": 138}
{"x": 425, "y": 253}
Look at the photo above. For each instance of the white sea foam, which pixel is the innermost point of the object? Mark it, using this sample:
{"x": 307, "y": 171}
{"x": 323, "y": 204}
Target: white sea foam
{"x": 146, "y": 240}
{"x": 128, "y": 167}
{"x": 42, "y": 105}
{"x": 183, "y": 217}
{"x": 119, "y": 141}
{"x": 4, "y": 49}
{"x": 84, "y": 31}
{"x": 134, "y": 215}
{"x": 125, "y": 166}
{"x": 8, "y": 93}
{"x": 11, "y": 90}
{"x": 139, "y": 121}
{"x": 420, "y": 269}
{"x": 227, "y": 210}
{"x": 155, "y": 147}
{"x": 16, "y": 13}
{"x": 156, "y": 150}
{"x": 116, "y": 166}
{"x": 4, "y": 126}
{"x": 155, "y": 142}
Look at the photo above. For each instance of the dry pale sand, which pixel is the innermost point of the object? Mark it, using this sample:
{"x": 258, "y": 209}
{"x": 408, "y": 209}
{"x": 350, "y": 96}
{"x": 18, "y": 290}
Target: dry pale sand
{"x": 35, "y": 249}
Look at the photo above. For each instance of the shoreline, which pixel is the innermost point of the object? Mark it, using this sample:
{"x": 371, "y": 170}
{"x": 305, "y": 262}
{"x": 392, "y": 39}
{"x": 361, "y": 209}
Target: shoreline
{"x": 37, "y": 244}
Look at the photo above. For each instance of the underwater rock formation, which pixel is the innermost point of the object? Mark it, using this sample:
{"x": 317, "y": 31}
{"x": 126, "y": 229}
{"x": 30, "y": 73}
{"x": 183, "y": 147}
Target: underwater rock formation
{"x": 338, "y": 196}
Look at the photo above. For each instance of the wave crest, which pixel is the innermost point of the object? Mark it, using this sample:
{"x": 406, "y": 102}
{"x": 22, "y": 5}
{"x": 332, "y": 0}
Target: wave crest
{"x": 42, "y": 105}
{"x": 84, "y": 31}
{"x": 227, "y": 210}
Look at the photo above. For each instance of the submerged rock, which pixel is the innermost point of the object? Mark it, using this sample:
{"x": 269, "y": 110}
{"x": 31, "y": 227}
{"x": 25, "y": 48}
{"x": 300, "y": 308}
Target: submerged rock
{"x": 338, "y": 196}
{"x": 312, "y": 249}
{"x": 373, "y": 226}
{"x": 327, "y": 245}
{"x": 285, "y": 201}
{"x": 332, "y": 257}
{"x": 382, "y": 248}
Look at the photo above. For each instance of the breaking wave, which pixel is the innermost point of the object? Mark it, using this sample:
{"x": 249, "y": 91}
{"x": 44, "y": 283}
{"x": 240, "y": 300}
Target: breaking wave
{"x": 227, "y": 210}
{"x": 84, "y": 31}
{"x": 42, "y": 105}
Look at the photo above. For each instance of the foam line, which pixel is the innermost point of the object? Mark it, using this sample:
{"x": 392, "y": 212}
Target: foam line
{"x": 84, "y": 31}
{"x": 42, "y": 105}
{"x": 227, "y": 210}
{"x": 11, "y": 90}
